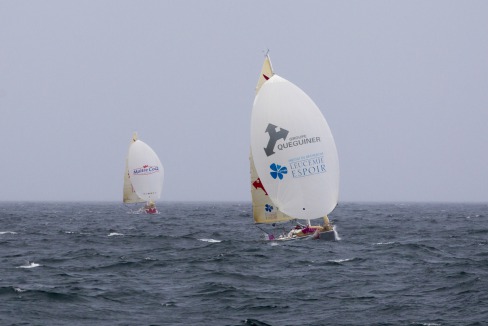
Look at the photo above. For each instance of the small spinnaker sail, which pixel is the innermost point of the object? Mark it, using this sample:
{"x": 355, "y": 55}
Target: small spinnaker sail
{"x": 145, "y": 170}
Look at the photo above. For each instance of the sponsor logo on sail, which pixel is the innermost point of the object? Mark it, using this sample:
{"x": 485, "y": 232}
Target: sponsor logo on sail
{"x": 270, "y": 212}
{"x": 308, "y": 165}
{"x": 275, "y": 135}
{"x": 145, "y": 170}
{"x": 259, "y": 185}
{"x": 298, "y": 141}
{"x": 278, "y": 171}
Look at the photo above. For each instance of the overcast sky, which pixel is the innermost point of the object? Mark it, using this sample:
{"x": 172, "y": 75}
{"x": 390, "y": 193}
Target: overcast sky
{"x": 402, "y": 84}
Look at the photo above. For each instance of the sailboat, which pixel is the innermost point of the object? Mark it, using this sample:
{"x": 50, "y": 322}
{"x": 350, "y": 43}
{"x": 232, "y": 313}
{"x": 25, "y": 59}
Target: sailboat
{"x": 294, "y": 161}
{"x": 143, "y": 178}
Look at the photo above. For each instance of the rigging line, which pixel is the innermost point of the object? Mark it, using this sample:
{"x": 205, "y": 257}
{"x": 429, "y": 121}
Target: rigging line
{"x": 262, "y": 229}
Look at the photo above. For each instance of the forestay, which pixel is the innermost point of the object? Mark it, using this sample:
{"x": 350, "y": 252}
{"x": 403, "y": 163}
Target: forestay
{"x": 294, "y": 151}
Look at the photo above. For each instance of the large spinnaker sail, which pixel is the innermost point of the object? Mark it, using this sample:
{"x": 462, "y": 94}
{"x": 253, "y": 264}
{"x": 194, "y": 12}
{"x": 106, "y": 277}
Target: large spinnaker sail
{"x": 130, "y": 196}
{"x": 294, "y": 151}
{"x": 145, "y": 171}
{"x": 264, "y": 211}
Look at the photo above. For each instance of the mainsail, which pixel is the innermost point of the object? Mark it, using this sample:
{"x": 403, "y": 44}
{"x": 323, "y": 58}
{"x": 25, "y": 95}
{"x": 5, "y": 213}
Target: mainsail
{"x": 293, "y": 151}
{"x": 130, "y": 196}
{"x": 264, "y": 211}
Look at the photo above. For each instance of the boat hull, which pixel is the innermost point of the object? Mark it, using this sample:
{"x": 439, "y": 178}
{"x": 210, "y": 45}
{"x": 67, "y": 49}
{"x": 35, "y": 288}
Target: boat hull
{"x": 326, "y": 235}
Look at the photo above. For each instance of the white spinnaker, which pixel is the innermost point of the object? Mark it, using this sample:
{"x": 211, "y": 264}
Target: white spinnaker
{"x": 145, "y": 170}
{"x": 304, "y": 180}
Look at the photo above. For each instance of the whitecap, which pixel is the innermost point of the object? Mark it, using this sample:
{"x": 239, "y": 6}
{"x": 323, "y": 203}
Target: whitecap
{"x": 19, "y": 290}
{"x": 29, "y": 265}
{"x": 8, "y": 232}
{"x": 210, "y": 240}
{"x": 384, "y": 243}
{"x": 336, "y": 234}
{"x": 340, "y": 260}
{"x": 114, "y": 233}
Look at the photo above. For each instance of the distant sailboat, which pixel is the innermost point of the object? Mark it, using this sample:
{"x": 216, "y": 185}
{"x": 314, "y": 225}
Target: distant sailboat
{"x": 143, "y": 178}
{"x": 294, "y": 161}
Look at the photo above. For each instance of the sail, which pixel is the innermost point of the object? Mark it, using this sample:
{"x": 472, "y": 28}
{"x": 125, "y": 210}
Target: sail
{"x": 293, "y": 151}
{"x": 145, "y": 171}
{"x": 264, "y": 211}
{"x": 266, "y": 73}
{"x": 130, "y": 196}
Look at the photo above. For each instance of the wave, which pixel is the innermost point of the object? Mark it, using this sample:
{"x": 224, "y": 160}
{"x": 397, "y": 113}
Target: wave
{"x": 29, "y": 265}
{"x": 339, "y": 261}
{"x": 427, "y": 274}
{"x": 10, "y": 290}
{"x": 114, "y": 234}
{"x": 7, "y": 232}
{"x": 39, "y": 294}
{"x": 254, "y": 322}
{"x": 210, "y": 240}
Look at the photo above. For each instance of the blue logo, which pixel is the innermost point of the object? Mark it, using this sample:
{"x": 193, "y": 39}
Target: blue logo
{"x": 268, "y": 208}
{"x": 277, "y": 171}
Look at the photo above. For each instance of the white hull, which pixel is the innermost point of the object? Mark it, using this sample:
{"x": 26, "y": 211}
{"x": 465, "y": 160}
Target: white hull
{"x": 326, "y": 235}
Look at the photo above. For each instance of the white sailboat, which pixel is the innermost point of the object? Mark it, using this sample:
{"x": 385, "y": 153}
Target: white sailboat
{"x": 294, "y": 161}
{"x": 144, "y": 175}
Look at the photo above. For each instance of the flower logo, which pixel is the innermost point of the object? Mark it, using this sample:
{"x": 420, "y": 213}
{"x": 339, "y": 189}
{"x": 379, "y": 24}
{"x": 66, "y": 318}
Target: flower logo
{"x": 268, "y": 208}
{"x": 277, "y": 171}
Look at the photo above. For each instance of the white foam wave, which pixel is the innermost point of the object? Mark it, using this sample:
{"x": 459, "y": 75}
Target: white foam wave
{"x": 210, "y": 240}
{"x": 340, "y": 260}
{"x": 29, "y": 265}
{"x": 384, "y": 243}
{"x": 8, "y": 232}
{"x": 336, "y": 234}
{"x": 19, "y": 290}
{"x": 114, "y": 234}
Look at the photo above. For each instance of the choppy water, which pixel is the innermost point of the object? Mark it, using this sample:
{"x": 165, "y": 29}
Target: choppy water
{"x": 204, "y": 264}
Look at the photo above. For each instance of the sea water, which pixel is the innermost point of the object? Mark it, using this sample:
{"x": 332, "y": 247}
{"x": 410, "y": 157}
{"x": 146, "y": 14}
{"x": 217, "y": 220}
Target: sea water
{"x": 205, "y": 264}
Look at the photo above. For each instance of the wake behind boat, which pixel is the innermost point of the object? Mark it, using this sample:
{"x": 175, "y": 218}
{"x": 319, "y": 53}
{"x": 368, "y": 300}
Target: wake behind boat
{"x": 294, "y": 161}
{"x": 143, "y": 179}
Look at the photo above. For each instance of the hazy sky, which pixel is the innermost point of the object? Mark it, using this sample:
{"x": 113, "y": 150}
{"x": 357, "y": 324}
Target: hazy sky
{"x": 402, "y": 84}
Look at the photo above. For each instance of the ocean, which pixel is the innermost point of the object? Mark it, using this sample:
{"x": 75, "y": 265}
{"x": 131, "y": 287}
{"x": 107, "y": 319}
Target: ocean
{"x": 206, "y": 264}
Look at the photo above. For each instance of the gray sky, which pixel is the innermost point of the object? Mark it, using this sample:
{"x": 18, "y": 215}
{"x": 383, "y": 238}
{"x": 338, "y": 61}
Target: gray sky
{"x": 402, "y": 84}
